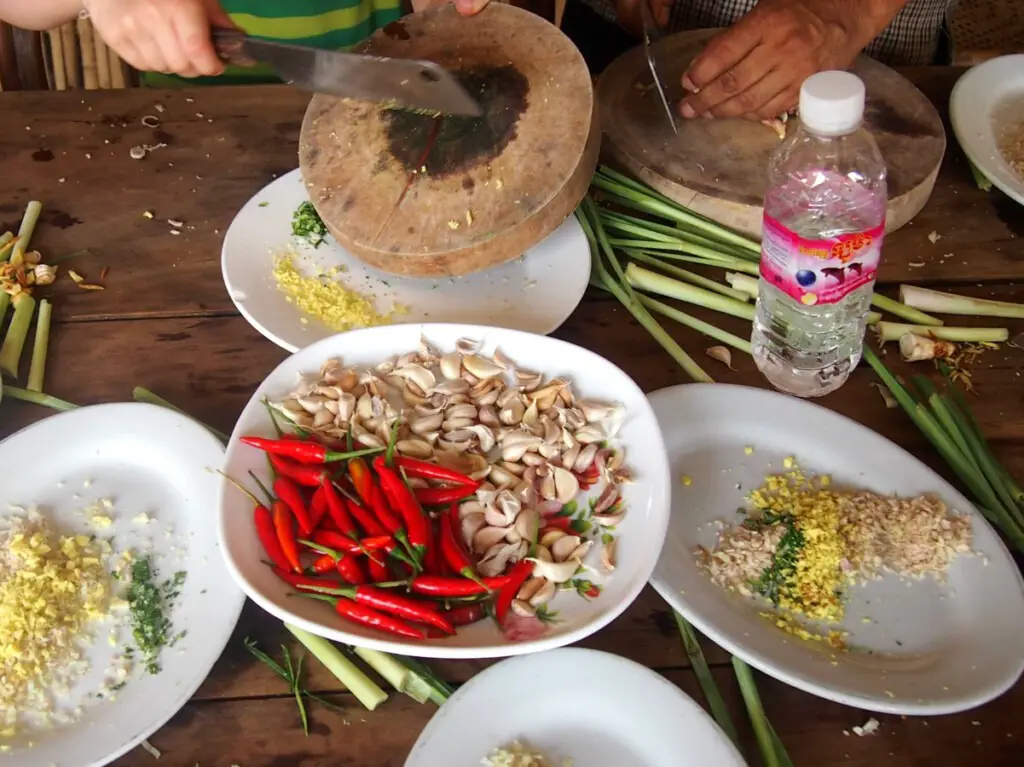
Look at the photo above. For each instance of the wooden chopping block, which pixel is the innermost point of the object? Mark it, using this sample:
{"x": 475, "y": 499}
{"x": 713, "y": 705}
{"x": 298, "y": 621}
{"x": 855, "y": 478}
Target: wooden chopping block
{"x": 418, "y": 195}
{"x": 719, "y": 168}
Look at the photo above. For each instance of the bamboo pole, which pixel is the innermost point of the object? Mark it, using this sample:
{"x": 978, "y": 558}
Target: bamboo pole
{"x": 60, "y": 77}
{"x": 117, "y": 76}
{"x": 69, "y": 46}
{"x": 102, "y": 61}
{"x": 89, "y": 78}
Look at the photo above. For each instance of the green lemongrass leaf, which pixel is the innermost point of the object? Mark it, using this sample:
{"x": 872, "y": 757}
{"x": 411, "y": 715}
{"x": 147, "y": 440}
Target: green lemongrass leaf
{"x": 142, "y": 394}
{"x": 649, "y": 229}
{"x": 644, "y": 279}
{"x": 360, "y": 685}
{"x": 780, "y": 750}
{"x": 37, "y": 398}
{"x": 723, "y": 336}
{"x": 894, "y": 331}
{"x": 702, "y": 670}
{"x": 762, "y": 729}
{"x": 900, "y": 310}
{"x": 297, "y": 692}
{"x": 687, "y": 276}
{"x": 262, "y": 657}
{"x": 951, "y": 303}
{"x": 635, "y": 184}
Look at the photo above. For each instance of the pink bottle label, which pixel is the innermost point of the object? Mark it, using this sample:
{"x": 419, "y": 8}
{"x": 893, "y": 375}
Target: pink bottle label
{"x": 819, "y": 271}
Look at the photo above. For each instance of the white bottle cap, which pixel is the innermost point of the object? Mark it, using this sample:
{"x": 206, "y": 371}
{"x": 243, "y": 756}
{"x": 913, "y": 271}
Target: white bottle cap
{"x": 832, "y": 103}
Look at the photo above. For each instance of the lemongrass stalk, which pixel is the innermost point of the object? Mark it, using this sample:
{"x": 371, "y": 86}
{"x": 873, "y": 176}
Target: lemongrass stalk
{"x": 634, "y": 184}
{"x": 762, "y": 731}
{"x": 644, "y": 227}
{"x": 670, "y": 251}
{"x": 950, "y": 303}
{"x": 894, "y": 331}
{"x": 14, "y": 342}
{"x": 36, "y": 398}
{"x": 644, "y": 279}
{"x": 743, "y": 282}
{"x": 621, "y": 290}
{"x": 5, "y": 301}
{"x": 723, "y": 336}
{"x": 398, "y": 675}
{"x": 5, "y": 238}
{"x": 40, "y": 346}
{"x": 915, "y": 348}
{"x": 980, "y": 179}
{"x": 687, "y": 276}
{"x": 872, "y": 318}
{"x": 28, "y": 226}
{"x": 344, "y": 670}
{"x": 674, "y": 212}
{"x": 441, "y": 691}
{"x": 702, "y": 670}
{"x": 901, "y": 310}
{"x": 142, "y": 394}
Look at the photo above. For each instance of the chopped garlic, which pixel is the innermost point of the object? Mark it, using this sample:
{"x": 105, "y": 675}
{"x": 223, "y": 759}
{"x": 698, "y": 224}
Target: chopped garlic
{"x": 516, "y": 755}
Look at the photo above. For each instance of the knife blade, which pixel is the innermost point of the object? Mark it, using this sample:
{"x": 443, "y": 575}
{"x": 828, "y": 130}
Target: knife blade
{"x": 650, "y": 28}
{"x": 408, "y": 83}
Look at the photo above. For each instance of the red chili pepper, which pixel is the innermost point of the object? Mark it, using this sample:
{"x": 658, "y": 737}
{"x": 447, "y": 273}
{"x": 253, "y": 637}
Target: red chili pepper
{"x": 426, "y": 470}
{"x": 517, "y": 577}
{"x": 400, "y": 497}
{"x": 437, "y": 586}
{"x": 268, "y": 537}
{"x": 359, "y": 473}
{"x": 379, "y": 572}
{"x": 325, "y": 564}
{"x": 463, "y": 615}
{"x": 351, "y": 571}
{"x": 303, "y": 451}
{"x": 318, "y": 506}
{"x": 336, "y": 508}
{"x": 285, "y": 530}
{"x": 433, "y": 561}
{"x": 305, "y": 581}
{"x": 456, "y": 558}
{"x": 289, "y": 492}
{"x": 394, "y": 604}
{"x": 343, "y": 543}
{"x": 555, "y": 523}
{"x": 307, "y": 476}
{"x": 366, "y": 520}
{"x": 367, "y": 616}
{"x": 442, "y": 496}
{"x": 379, "y": 506}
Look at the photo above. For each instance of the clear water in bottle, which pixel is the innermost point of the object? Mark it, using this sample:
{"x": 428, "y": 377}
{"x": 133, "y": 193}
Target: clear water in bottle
{"x": 824, "y": 221}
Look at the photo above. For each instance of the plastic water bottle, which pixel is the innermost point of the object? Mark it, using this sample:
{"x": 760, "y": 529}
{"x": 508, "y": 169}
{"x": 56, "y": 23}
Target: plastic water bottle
{"x": 824, "y": 220}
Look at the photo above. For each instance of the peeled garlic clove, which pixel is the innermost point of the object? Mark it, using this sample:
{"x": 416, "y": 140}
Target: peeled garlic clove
{"x": 481, "y": 367}
{"x": 484, "y": 436}
{"x": 515, "y": 445}
{"x": 527, "y": 380}
{"x": 544, "y": 554}
{"x": 496, "y": 517}
{"x": 523, "y": 609}
{"x": 448, "y": 388}
{"x": 497, "y": 559}
{"x": 531, "y": 587}
{"x": 451, "y": 366}
{"x": 556, "y": 572}
{"x": 581, "y": 551}
{"x": 608, "y": 555}
{"x": 722, "y": 354}
{"x": 471, "y": 507}
{"x": 607, "y": 499}
{"x": 467, "y": 346}
{"x": 595, "y": 412}
{"x": 512, "y": 413}
{"x": 414, "y": 448}
{"x": 488, "y": 416}
{"x": 513, "y": 537}
{"x": 487, "y": 537}
{"x": 418, "y": 375}
{"x": 546, "y": 487}
{"x": 566, "y": 485}
{"x": 543, "y": 595}
{"x": 471, "y": 525}
{"x": 590, "y": 433}
{"x": 427, "y": 424}
{"x": 551, "y": 536}
{"x": 609, "y": 520}
{"x": 564, "y": 546}
{"x": 527, "y": 524}
{"x": 322, "y": 418}
{"x": 501, "y": 477}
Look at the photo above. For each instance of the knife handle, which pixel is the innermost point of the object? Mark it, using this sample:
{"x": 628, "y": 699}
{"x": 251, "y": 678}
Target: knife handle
{"x": 230, "y": 47}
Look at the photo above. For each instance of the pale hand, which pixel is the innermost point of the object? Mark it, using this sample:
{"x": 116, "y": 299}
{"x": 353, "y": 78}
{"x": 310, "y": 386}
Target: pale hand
{"x": 755, "y": 69}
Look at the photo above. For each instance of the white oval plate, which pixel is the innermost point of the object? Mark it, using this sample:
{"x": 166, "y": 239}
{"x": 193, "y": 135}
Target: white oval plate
{"x": 591, "y": 722}
{"x": 981, "y": 90}
{"x": 640, "y": 534}
{"x": 535, "y": 293}
{"x": 930, "y": 648}
{"x": 145, "y": 459}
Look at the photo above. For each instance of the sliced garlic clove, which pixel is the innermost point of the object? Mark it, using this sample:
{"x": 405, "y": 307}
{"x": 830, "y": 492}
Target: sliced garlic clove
{"x": 544, "y": 594}
{"x": 556, "y": 572}
{"x": 487, "y": 537}
{"x": 581, "y": 551}
{"x": 451, "y": 366}
{"x": 481, "y": 367}
{"x": 609, "y": 496}
{"x": 608, "y": 562}
{"x": 523, "y": 609}
{"x": 531, "y": 587}
{"x": 564, "y": 547}
{"x": 544, "y": 554}
{"x": 552, "y": 536}
{"x": 566, "y": 485}
{"x": 527, "y": 524}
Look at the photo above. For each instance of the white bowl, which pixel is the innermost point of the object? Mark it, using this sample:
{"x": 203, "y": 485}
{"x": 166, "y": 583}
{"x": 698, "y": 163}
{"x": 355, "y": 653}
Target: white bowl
{"x": 641, "y": 533}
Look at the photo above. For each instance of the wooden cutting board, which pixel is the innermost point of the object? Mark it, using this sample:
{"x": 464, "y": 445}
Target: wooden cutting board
{"x": 419, "y": 195}
{"x": 719, "y": 167}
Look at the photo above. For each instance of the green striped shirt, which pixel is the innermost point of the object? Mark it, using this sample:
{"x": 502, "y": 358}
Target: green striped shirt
{"x": 334, "y": 24}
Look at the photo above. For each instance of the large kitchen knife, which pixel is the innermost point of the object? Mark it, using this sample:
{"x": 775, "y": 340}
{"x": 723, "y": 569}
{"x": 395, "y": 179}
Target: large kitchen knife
{"x": 651, "y": 31}
{"x": 407, "y": 83}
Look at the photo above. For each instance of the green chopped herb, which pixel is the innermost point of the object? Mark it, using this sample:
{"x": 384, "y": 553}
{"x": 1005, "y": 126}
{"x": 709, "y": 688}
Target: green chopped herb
{"x": 149, "y": 603}
{"x": 779, "y": 574}
{"x": 307, "y": 225}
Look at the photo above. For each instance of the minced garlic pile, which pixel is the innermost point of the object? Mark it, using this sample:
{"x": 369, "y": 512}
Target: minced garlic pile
{"x": 517, "y": 755}
{"x": 52, "y": 588}
{"x": 326, "y": 299}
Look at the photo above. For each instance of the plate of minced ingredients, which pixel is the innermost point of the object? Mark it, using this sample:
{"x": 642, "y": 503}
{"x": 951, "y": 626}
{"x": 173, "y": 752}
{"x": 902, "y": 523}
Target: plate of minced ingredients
{"x": 296, "y": 285}
{"x": 114, "y": 600}
{"x": 506, "y": 716}
{"x": 831, "y": 559}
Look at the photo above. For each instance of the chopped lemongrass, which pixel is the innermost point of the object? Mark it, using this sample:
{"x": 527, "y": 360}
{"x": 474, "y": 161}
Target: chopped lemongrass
{"x": 37, "y": 367}
{"x": 950, "y": 303}
{"x": 687, "y": 276}
{"x": 742, "y": 344}
{"x": 346, "y": 672}
{"x": 617, "y": 285}
{"x": 28, "y": 226}
{"x": 441, "y": 690}
{"x": 36, "y": 398}
{"x": 743, "y": 283}
{"x": 914, "y": 348}
{"x": 894, "y": 331}
{"x": 901, "y": 310}
{"x": 400, "y": 676}
{"x": 645, "y": 279}
{"x": 14, "y": 342}
{"x": 873, "y": 318}
{"x": 5, "y": 241}
{"x": 142, "y": 394}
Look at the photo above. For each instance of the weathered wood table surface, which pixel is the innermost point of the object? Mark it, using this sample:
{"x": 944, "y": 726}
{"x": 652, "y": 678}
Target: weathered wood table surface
{"x": 166, "y": 322}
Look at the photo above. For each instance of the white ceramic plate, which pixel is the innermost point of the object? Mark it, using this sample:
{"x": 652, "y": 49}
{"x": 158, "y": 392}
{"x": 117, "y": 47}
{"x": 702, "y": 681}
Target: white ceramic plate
{"x": 981, "y": 91}
{"x": 640, "y": 534}
{"x": 150, "y": 460}
{"x": 535, "y": 293}
{"x": 586, "y": 722}
{"x": 925, "y": 648}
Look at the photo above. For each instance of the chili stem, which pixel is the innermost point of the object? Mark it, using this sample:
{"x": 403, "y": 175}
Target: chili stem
{"x": 37, "y": 367}
{"x": 36, "y": 398}
{"x": 359, "y": 684}
{"x": 142, "y": 394}
{"x": 21, "y": 321}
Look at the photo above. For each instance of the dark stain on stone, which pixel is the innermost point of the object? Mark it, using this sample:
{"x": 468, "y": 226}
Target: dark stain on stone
{"x": 180, "y": 336}
{"x": 42, "y": 155}
{"x": 397, "y": 30}
{"x": 58, "y": 218}
{"x": 461, "y": 142}
{"x": 884, "y": 118}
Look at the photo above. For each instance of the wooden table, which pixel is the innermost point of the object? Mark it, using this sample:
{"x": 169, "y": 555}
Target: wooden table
{"x": 166, "y": 322}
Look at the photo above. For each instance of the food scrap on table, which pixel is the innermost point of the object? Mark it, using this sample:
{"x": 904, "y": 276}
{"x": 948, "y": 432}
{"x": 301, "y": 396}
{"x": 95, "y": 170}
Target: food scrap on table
{"x": 804, "y": 544}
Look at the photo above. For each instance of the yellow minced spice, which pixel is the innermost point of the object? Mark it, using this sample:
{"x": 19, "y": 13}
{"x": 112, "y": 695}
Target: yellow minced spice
{"x": 326, "y": 299}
